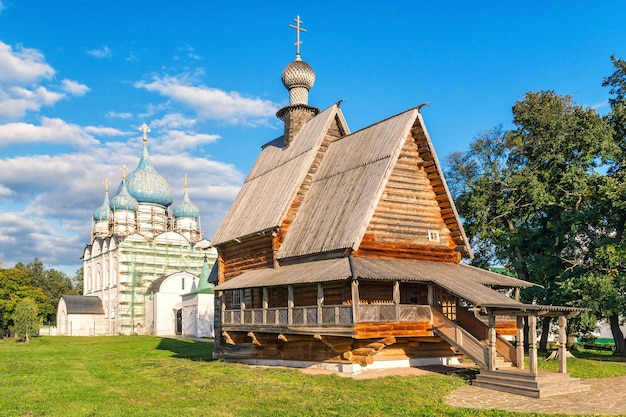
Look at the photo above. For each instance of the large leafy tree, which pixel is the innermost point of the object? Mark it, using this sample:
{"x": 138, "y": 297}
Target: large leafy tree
{"x": 52, "y": 282}
{"x": 524, "y": 193}
{"x": 15, "y": 285}
{"x": 602, "y": 286}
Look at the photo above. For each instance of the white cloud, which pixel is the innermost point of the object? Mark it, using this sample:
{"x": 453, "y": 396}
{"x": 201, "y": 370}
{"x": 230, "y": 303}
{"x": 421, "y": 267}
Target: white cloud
{"x": 173, "y": 121}
{"x": 54, "y": 131}
{"x": 178, "y": 141}
{"x": 22, "y": 65}
{"x": 103, "y": 131}
{"x": 113, "y": 114}
{"x": 75, "y": 88}
{"x": 16, "y": 101}
{"x": 104, "y": 52}
{"x": 213, "y": 103}
{"x": 57, "y": 195}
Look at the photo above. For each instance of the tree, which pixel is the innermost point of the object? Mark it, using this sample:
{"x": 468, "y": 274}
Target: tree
{"x": 26, "y": 319}
{"x": 525, "y": 192}
{"x": 603, "y": 284}
{"x": 15, "y": 285}
{"x": 52, "y": 282}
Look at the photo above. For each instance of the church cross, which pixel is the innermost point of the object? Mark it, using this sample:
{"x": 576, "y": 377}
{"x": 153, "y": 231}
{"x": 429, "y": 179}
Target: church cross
{"x": 106, "y": 183}
{"x": 298, "y": 30}
{"x": 124, "y": 170}
{"x": 145, "y": 129}
{"x": 185, "y": 180}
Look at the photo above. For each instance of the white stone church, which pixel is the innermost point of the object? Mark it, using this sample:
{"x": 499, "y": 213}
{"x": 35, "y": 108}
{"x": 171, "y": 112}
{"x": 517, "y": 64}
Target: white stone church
{"x": 147, "y": 263}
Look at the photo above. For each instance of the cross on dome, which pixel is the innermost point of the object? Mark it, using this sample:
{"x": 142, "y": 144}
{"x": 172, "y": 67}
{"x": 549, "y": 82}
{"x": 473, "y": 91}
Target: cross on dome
{"x": 298, "y": 29}
{"x": 145, "y": 129}
{"x": 106, "y": 183}
{"x": 185, "y": 180}
{"x": 124, "y": 170}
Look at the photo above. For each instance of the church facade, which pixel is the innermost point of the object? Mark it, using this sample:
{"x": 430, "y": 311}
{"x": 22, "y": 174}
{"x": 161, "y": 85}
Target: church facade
{"x": 144, "y": 254}
{"x": 343, "y": 250}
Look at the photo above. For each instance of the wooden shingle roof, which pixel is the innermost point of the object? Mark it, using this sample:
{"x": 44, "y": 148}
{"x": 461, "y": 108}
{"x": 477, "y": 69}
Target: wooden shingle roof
{"x": 346, "y": 188}
{"x": 468, "y": 282}
{"x": 274, "y": 180}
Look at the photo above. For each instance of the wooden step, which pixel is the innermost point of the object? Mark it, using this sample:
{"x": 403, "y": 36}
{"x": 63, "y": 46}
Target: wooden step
{"x": 538, "y": 386}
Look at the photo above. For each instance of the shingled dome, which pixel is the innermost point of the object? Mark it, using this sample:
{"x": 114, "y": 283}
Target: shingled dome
{"x": 147, "y": 185}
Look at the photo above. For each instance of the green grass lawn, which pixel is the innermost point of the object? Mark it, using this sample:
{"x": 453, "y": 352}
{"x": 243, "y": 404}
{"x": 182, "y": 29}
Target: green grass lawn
{"x": 149, "y": 376}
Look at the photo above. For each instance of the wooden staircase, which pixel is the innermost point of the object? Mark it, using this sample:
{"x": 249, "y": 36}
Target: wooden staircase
{"x": 545, "y": 384}
{"x": 506, "y": 377}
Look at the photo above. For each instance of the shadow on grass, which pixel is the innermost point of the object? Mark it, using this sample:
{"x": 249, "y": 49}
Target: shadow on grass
{"x": 188, "y": 349}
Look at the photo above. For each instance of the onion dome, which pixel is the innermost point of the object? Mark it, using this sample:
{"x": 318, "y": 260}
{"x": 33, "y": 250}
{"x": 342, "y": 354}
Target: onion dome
{"x": 186, "y": 209}
{"x": 145, "y": 183}
{"x": 103, "y": 212}
{"x": 298, "y": 74}
{"x": 123, "y": 200}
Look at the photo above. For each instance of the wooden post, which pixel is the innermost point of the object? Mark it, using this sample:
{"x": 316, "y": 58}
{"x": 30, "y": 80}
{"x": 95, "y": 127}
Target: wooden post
{"x": 320, "y": 303}
{"x": 431, "y": 298}
{"x": 290, "y": 304}
{"x": 396, "y": 298}
{"x": 242, "y": 305}
{"x": 517, "y": 294}
{"x": 265, "y": 305}
{"x": 355, "y": 301}
{"x": 492, "y": 343}
{"x": 532, "y": 344}
{"x": 562, "y": 344}
{"x": 519, "y": 340}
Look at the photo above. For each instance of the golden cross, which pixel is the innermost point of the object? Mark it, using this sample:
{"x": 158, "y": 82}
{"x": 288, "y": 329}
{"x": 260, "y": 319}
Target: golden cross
{"x": 298, "y": 30}
{"x": 185, "y": 180}
{"x": 124, "y": 170}
{"x": 106, "y": 183}
{"x": 145, "y": 129}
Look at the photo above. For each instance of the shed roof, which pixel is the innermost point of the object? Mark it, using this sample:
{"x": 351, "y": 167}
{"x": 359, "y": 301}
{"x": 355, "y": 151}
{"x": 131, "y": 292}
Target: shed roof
{"x": 468, "y": 282}
{"x": 82, "y": 304}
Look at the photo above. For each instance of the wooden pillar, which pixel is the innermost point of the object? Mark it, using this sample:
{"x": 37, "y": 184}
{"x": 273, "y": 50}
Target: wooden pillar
{"x": 431, "y": 297}
{"x": 562, "y": 344}
{"x": 492, "y": 343}
{"x": 242, "y": 305}
{"x": 290, "y": 304}
{"x": 532, "y": 344}
{"x": 265, "y": 305}
{"x": 519, "y": 342}
{"x": 396, "y": 298}
{"x": 355, "y": 301}
{"x": 320, "y": 303}
{"x": 517, "y": 293}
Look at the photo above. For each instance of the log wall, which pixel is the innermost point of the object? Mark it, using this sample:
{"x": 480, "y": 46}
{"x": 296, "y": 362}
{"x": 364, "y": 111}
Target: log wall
{"x": 408, "y": 214}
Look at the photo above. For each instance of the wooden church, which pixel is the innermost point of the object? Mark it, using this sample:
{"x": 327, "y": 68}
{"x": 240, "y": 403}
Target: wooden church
{"x": 343, "y": 251}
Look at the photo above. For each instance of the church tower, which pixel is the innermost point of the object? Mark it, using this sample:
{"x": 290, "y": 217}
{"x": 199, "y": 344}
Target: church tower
{"x": 298, "y": 77}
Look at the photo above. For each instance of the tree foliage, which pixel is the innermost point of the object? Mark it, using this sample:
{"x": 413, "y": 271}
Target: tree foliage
{"x": 44, "y": 286}
{"x": 26, "y": 319}
{"x": 527, "y": 194}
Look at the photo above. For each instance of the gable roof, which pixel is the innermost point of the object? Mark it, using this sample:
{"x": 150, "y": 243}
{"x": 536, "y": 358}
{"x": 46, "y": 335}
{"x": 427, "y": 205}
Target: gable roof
{"x": 350, "y": 182}
{"x": 271, "y": 185}
{"x": 82, "y": 304}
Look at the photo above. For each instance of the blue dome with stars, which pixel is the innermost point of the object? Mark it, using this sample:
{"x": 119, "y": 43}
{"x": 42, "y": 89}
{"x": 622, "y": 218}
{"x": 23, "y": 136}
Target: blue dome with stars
{"x": 123, "y": 200}
{"x": 186, "y": 209}
{"x": 103, "y": 212}
{"x": 147, "y": 185}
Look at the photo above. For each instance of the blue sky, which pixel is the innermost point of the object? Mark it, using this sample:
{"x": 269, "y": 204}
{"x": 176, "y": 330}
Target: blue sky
{"x": 77, "y": 79}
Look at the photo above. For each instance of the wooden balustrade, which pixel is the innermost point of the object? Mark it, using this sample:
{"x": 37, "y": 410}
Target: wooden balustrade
{"x": 332, "y": 315}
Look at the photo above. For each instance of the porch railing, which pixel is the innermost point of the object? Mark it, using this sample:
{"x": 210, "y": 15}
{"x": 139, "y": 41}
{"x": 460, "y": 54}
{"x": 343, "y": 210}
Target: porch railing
{"x": 332, "y": 315}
